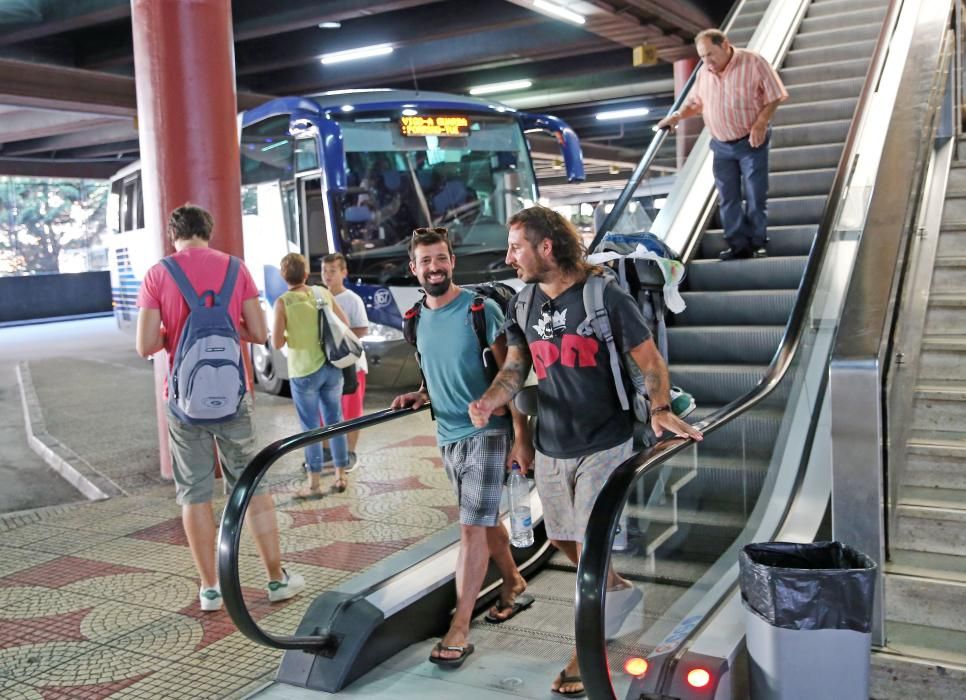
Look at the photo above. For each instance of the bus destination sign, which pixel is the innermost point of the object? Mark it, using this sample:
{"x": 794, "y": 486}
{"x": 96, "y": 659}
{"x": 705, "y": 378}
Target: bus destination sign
{"x": 429, "y": 125}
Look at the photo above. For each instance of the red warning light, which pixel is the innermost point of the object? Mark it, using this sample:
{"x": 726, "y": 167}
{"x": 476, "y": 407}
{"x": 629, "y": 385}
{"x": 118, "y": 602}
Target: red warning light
{"x": 698, "y": 678}
{"x": 636, "y": 666}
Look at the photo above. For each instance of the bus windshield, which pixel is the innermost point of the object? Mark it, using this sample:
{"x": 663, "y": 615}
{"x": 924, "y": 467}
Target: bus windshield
{"x": 470, "y": 183}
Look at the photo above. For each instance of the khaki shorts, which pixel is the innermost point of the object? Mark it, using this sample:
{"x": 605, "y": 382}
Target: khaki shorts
{"x": 193, "y": 453}
{"x": 568, "y": 488}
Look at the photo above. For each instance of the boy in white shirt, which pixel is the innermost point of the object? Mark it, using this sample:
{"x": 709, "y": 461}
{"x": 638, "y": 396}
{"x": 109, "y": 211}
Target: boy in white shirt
{"x": 333, "y": 274}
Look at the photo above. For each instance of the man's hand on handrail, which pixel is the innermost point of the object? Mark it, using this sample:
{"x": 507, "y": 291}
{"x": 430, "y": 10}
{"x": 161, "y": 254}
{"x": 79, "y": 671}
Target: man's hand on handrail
{"x": 413, "y": 400}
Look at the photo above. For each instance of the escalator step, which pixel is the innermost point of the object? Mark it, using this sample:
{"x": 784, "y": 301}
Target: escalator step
{"x": 768, "y": 307}
{"x": 823, "y": 8}
{"x": 798, "y": 135}
{"x": 838, "y": 20}
{"x": 717, "y": 384}
{"x": 801, "y": 182}
{"x": 856, "y": 68}
{"x": 790, "y": 211}
{"x": 752, "y": 433}
{"x": 824, "y": 155}
{"x": 723, "y": 344}
{"x": 764, "y": 273}
{"x": 782, "y": 241}
{"x": 825, "y": 54}
{"x": 827, "y": 90}
{"x": 811, "y": 112}
{"x": 837, "y": 37}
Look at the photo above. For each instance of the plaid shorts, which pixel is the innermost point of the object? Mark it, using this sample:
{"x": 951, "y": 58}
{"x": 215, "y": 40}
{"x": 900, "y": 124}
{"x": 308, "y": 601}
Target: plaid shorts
{"x": 476, "y": 467}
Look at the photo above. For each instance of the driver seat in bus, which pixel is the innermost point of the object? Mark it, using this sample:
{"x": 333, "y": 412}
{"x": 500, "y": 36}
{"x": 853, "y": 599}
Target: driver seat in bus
{"x": 453, "y": 193}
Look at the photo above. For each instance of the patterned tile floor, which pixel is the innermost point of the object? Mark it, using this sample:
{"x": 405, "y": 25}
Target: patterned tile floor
{"x": 100, "y": 600}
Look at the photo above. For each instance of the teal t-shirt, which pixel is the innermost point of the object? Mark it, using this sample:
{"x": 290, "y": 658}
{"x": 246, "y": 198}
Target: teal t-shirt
{"x": 453, "y": 367}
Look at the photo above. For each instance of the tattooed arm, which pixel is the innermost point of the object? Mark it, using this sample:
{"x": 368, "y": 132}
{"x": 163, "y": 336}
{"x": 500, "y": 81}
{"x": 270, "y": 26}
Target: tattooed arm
{"x": 658, "y": 385}
{"x": 507, "y": 382}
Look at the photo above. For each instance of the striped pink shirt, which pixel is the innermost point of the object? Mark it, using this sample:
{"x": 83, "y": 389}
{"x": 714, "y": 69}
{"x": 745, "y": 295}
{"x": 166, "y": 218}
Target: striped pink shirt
{"x": 730, "y": 102}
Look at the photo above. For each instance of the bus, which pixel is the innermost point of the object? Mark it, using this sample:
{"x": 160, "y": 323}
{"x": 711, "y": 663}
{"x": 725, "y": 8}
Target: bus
{"x": 355, "y": 171}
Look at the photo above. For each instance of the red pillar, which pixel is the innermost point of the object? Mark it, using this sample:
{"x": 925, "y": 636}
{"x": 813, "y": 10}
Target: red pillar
{"x": 689, "y": 129}
{"x": 185, "y": 76}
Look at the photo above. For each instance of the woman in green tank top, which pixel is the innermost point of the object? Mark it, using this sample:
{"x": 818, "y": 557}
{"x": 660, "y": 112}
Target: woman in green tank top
{"x": 316, "y": 384}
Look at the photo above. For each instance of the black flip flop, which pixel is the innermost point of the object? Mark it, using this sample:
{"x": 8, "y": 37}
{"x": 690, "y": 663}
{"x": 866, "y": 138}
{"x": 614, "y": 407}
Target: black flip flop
{"x": 566, "y": 680}
{"x": 520, "y": 603}
{"x": 455, "y": 662}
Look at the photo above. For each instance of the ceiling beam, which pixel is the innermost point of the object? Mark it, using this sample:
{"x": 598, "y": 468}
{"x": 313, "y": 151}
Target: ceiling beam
{"x": 472, "y": 54}
{"x": 682, "y": 15}
{"x": 622, "y": 27}
{"x": 410, "y": 27}
{"x": 25, "y": 124}
{"x": 119, "y": 131}
{"x": 60, "y": 17}
{"x": 53, "y": 167}
{"x": 56, "y": 87}
{"x": 258, "y": 19}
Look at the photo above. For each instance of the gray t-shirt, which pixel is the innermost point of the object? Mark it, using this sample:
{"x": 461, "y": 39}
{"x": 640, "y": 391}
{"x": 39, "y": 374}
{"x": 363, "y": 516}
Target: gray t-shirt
{"x": 578, "y": 409}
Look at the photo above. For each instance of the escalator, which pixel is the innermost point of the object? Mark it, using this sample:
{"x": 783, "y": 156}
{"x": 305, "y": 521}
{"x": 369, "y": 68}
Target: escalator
{"x": 752, "y": 347}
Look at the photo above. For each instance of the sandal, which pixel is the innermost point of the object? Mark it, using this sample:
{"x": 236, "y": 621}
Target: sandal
{"x": 569, "y": 680}
{"x": 340, "y": 485}
{"x": 454, "y": 662}
{"x": 519, "y": 604}
{"x": 308, "y": 492}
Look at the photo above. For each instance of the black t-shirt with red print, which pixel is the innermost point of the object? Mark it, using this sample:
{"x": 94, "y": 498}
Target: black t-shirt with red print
{"x": 578, "y": 411}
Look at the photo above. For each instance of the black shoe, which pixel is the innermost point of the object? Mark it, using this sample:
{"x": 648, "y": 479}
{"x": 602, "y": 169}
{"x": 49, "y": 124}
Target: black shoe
{"x": 735, "y": 254}
{"x": 759, "y": 253}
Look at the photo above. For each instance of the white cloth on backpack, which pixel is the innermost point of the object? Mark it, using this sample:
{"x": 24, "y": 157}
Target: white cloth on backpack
{"x": 673, "y": 271}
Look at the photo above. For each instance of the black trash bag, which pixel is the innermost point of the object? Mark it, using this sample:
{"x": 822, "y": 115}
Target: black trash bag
{"x": 814, "y": 586}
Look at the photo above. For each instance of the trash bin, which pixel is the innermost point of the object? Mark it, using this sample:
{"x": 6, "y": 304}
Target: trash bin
{"x": 808, "y": 620}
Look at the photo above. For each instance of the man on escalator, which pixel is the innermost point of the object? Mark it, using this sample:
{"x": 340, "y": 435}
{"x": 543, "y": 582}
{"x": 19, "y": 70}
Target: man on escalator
{"x": 582, "y": 432}
{"x": 737, "y": 92}
{"x": 475, "y": 457}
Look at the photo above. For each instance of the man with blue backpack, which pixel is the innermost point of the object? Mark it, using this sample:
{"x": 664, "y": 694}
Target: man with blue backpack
{"x": 584, "y": 428}
{"x": 205, "y": 389}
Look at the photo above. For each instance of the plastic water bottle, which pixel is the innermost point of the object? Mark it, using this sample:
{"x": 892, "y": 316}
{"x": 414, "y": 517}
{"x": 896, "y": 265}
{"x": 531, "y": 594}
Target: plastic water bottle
{"x": 521, "y": 527}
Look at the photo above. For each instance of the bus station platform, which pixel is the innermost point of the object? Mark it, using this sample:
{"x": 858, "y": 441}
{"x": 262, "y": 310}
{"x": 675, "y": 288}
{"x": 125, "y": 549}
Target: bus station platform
{"x": 100, "y": 598}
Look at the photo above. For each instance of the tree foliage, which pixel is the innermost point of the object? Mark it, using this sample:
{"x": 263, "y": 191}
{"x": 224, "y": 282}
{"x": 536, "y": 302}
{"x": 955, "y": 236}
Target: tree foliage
{"x": 40, "y": 220}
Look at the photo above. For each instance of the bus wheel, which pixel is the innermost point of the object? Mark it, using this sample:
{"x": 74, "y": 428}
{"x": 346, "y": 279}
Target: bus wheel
{"x": 263, "y": 362}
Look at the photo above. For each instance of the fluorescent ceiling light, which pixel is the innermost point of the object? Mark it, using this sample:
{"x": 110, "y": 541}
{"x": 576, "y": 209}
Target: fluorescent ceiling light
{"x": 353, "y": 54}
{"x": 500, "y": 87}
{"x": 660, "y": 202}
{"x": 624, "y": 113}
{"x": 275, "y": 145}
{"x": 409, "y": 112}
{"x": 347, "y": 108}
{"x": 353, "y": 91}
{"x": 329, "y": 25}
{"x": 558, "y": 11}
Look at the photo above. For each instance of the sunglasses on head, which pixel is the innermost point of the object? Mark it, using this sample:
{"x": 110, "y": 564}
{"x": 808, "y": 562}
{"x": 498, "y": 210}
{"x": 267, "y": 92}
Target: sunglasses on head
{"x": 438, "y": 230}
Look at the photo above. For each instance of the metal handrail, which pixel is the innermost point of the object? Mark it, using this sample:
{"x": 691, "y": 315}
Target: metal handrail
{"x": 630, "y": 189}
{"x": 229, "y": 537}
{"x": 595, "y": 560}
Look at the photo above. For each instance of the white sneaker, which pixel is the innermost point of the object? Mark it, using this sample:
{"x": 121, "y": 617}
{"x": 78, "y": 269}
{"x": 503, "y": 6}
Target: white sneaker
{"x": 289, "y": 587}
{"x": 210, "y": 599}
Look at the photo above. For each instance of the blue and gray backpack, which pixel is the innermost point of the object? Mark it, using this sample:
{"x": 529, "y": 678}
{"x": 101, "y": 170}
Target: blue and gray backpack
{"x": 207, "y": 379}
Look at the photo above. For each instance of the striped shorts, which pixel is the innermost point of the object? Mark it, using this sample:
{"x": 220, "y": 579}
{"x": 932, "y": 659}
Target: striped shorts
{"x": 476, "y": 467}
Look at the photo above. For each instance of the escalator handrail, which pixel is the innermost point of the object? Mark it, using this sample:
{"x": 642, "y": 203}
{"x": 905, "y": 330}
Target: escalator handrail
{"x": 657, "y": 141}
{"x": 595, "y": 560}
{"x": 229, "y": 536}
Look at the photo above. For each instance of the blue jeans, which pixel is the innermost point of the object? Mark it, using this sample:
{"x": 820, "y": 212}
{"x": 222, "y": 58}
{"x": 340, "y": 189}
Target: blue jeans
{"x": 318, "y": 392}
{"x": 738, "y": 165}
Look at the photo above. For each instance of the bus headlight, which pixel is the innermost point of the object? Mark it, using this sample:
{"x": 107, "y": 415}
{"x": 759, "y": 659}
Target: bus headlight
{"x": 378, "y": 333}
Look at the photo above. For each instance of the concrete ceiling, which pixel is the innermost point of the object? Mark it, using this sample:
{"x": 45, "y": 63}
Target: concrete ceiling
{"x": 67, "y": 96}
